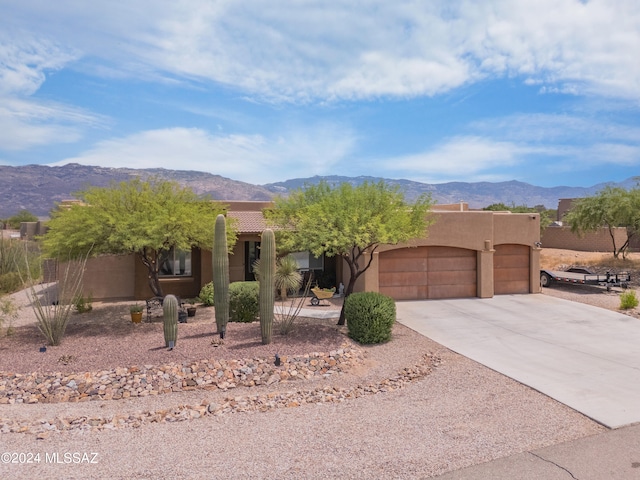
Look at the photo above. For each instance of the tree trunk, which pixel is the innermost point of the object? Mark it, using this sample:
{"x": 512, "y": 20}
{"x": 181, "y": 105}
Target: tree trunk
{"x": 356, "y": 271}
{"x": 154, "y": 283}
{"x": 616, "y": 252}
{"x": 152, "y": 260}
{"x": 348, "y": 291}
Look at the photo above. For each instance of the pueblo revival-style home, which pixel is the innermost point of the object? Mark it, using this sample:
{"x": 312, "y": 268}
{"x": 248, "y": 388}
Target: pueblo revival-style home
{"x": 466, "y": 253}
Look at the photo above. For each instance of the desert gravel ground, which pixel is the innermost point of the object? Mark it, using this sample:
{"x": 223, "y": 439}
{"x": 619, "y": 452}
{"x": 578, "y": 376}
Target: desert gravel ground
{"x": 459, "y": 415}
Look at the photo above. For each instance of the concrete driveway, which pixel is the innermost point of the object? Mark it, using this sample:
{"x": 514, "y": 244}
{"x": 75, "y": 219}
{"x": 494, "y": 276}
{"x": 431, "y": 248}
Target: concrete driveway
{"x": 583, "y": 356}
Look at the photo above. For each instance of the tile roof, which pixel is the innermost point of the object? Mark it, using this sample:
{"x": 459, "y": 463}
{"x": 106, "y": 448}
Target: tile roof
{"x": 249, "y": 222}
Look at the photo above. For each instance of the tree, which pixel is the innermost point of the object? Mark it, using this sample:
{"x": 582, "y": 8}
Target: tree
{"x": 347, "y": 221}
{"x": 22, "y": 216}
{"x": 146, "y": 218}
{"x": 546, "y": 215}
{"x": 611, "y": 207}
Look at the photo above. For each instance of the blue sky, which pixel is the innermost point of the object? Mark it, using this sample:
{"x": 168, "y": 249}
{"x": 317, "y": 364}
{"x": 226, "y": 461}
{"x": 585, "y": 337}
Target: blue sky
{"x": 542, "y": 91}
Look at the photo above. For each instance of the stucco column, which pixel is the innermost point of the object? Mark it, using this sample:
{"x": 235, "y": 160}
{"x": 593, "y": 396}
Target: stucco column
{"x": 369, "y": 280}
{"x": 485, "y": 270}
{"x": 534, "y": 270}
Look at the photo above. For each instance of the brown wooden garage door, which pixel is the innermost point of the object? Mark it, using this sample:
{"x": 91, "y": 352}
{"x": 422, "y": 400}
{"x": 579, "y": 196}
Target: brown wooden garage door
{"x": 511, "y": 269}
{"x": 428, "y": 273}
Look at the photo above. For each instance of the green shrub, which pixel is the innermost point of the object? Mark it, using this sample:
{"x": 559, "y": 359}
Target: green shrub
{"x": 206, "y": 295}
{"x": 10, "y": 282}
{"x": 244, "y": 303}
{"x": 8, "y": 312}
{"x": 18, "y": 261}
{"x": 370, "y": 317}
{"x": 628, "y": 300}
{"x": 82, "y": 305}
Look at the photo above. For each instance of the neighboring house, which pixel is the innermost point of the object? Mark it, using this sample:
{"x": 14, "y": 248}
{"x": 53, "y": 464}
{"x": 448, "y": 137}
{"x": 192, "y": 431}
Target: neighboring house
{"x": 466, "y": 254}
{"x": 560, "y": 236}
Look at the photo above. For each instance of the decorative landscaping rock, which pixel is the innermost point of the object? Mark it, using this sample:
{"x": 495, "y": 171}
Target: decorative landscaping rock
{"x": 255, "y": 403}
{"x": 149, "y": 380}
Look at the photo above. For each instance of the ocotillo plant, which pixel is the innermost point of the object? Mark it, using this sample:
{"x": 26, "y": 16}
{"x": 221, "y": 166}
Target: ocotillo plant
{"x": 170, "y": 317}
{"x": 267, "y": 283}
{"x": 221, "y": 275}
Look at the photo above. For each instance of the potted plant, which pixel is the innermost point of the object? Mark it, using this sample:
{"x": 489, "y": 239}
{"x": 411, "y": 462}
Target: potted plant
{"x": 191, "y": 308}
{"x": 136, "y": 313}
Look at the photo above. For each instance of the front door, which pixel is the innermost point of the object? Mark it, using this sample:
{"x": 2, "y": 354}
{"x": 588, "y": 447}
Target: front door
{"x": 251, "y": 254}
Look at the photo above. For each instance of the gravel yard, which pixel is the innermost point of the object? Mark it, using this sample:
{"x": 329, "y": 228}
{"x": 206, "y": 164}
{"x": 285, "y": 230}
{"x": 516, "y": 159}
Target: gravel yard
{"x": 377, "y": 419}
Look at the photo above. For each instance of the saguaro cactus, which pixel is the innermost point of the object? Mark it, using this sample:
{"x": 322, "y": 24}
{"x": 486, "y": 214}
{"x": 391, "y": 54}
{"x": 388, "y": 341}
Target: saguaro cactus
{"x": 170, "y": 317}
{"x": 267, "y": 283}
{"x": 220, "y": 262}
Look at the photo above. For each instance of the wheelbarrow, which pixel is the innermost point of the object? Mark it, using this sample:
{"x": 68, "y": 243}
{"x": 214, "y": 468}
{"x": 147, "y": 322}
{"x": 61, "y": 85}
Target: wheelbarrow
{"x": 321, "y": 294}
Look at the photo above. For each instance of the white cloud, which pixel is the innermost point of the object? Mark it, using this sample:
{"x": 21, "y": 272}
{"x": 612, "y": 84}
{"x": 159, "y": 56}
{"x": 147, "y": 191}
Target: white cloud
{"x": 344, "y": 50}
{"x": 497, "y": 149}
{"x": 250, "y": 158}
{"x": 463, "y": 158}
{"x": 25, "y": 122}
{"x": 23, "y": 62}
{"x": 557, "y": 128}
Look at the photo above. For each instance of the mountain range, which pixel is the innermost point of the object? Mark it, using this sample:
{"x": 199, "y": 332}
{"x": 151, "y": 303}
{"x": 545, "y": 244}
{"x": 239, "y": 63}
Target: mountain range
{"x": 37, "y": 188}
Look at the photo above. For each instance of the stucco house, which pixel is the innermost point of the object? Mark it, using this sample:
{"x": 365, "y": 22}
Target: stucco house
{"x": 465, "y": 254}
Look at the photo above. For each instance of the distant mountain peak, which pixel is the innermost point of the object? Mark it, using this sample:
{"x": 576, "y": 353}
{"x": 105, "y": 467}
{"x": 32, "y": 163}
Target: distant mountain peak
{"x": 38, "y": 188}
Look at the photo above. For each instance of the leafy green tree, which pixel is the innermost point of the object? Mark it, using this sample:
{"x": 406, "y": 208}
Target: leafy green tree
{"x": 147, "y": 218}
{"x": 22, "y": 216}
{"x": 611, "y": 207}
{"x": 347, "y": 221}
{"x": 547, "y": 216}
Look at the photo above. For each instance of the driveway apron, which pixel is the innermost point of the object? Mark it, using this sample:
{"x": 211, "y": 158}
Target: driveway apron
{"x": 583, "y": 356}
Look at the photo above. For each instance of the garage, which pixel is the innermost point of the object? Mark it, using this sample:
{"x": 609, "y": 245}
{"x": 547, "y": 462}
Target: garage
{"x": 511, "y": 269}
{"x": 428, "y": 273}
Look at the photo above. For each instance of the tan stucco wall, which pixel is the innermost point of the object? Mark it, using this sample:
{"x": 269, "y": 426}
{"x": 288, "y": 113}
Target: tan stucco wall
{"x": 598, "y": 241}
{"x": 109, "y": 277}
{"x": 473, "y": 230}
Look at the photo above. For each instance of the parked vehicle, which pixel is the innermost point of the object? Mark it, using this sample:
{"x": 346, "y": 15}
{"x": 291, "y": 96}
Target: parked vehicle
{"x": 582, "y": 276}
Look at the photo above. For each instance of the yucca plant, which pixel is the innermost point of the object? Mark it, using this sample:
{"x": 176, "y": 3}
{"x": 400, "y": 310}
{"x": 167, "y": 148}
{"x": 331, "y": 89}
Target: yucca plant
{"x": 287, "y": 277}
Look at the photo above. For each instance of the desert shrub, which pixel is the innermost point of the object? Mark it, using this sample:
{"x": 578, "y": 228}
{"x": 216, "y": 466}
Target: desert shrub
{"x": 8, "y": 312}
{"x": 244, "y": 304}
{"x": 52, "y": 306}
{"x": 18, "y": 261}
{"x": 628, "y": 300}
{"x": 10, "y": 282}
{"x": 289, "y": 310}
{"x": 82, "y": 304}
{"x": 206, "y": 295}
{"x": 370, "y": 317}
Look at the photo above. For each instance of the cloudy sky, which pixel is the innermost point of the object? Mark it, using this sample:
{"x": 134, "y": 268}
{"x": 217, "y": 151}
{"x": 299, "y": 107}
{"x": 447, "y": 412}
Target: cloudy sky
{"x": 542, "y": 91}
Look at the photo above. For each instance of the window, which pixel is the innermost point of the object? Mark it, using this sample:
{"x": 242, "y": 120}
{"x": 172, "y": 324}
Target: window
{"x": 177, "y": 264}
{"x": 306, "y": 261}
